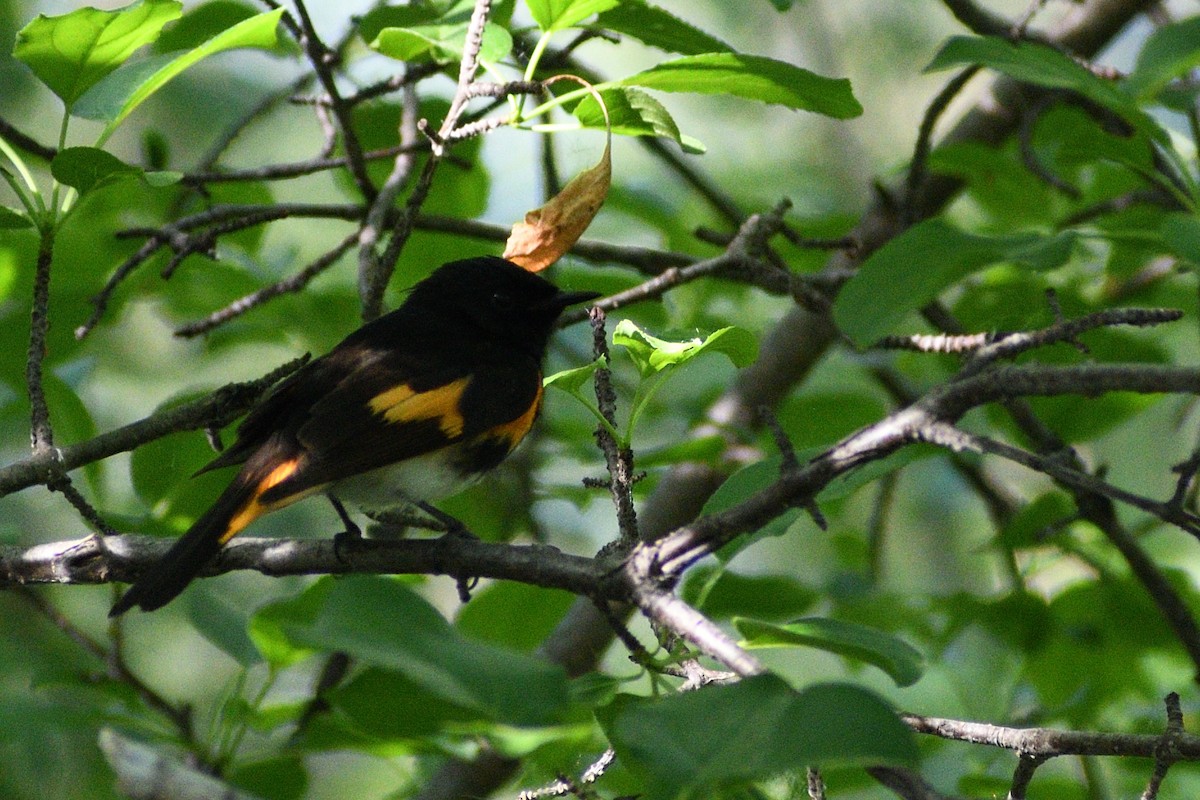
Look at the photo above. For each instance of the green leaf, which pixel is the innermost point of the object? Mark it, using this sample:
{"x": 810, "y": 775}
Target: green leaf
{"x": 754, "y": 729}
{"x": 571, "y": 380}
{"x": 513, "y": 614}
{"x": 383, "y": 623}
{"x": 268, "y": 628}
{"x": 222, "y": 624}
{"x": 900, "y": 660}
{"x": 1169, "y": 52}
{"x": 1181, "y": 233}
{"x": 380, "y": 17}
{"x": 12, "y": 219}
{"x": 73, "y": 52}
{"x": 912, "y": 269}
{"x": 652, "y": 354}
{"x": 85, "y": 168}
{"x": 739, "y": 487}
{"x": 442, "y": 44}
{"x": 849, "y": 482}
{"x": 659, "y": 28}
{"x": 554, "y": 15}
{"x": 202, "y": 23}
{"x": 278, "y": 777}
{"x": 1030, "y": 62}
{"x": 1043, "y": 66}
{"x": 632, "y": 112}
{"x": 752, "y": 78}
{"x": 721, "y": 593}
{"x": 1030, "y": 526}
{"x": 701, "y": 449}
{"x": 115, "y": 98}
{"x": 387, "y": 704}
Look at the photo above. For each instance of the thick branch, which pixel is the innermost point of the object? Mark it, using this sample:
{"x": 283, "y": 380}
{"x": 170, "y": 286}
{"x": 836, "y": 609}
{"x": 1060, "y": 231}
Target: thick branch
{"x": 101, "y": 559}
{"x": 1050, "y": 742}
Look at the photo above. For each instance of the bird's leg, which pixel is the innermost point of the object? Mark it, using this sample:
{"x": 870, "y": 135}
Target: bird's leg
{"x": 453, "y": 525}
{"x": 348, "y": 537}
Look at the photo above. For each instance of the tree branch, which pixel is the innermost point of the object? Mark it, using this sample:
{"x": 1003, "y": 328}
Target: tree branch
{"x": 214, "y": 411}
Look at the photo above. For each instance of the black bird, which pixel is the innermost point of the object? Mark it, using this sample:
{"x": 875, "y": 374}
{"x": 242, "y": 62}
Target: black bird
{"x": 410, "y": 407}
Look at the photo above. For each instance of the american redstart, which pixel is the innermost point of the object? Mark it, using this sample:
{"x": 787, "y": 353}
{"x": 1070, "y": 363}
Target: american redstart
{"x": 408, "y": 408}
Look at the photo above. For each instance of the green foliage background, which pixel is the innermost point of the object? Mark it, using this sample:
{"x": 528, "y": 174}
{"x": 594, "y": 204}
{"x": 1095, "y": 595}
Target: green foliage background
{"x": 922, "y": 600}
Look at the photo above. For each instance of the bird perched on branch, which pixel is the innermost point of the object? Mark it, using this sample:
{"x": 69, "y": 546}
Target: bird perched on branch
{"x": 410, "y": 407}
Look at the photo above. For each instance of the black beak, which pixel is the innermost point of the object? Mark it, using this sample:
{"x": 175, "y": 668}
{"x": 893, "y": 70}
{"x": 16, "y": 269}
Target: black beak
{"x": 564, "y": 299}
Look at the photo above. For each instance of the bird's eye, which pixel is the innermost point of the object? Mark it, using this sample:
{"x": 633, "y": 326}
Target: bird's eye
{"x": 503, "y": 301}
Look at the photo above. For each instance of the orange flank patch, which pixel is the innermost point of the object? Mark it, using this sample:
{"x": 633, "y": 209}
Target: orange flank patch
{"x": 513, "y": 432}
{"x": 402, "y": 404}
{"x": 255, "y": 508}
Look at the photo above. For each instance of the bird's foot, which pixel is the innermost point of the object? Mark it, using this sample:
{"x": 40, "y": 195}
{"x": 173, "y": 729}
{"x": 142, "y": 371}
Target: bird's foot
{"x": 452, "y": 525}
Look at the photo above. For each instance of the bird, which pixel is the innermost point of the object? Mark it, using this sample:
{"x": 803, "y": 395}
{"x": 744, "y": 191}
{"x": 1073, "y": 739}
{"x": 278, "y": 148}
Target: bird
{"x": 411, "y": 407}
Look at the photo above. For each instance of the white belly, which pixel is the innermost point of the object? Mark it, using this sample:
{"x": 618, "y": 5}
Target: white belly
{"x": 415, "y": 480}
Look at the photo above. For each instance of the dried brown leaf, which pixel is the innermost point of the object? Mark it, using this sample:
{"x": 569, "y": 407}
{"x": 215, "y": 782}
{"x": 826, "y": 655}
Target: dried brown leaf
{"x": 550, "y": 231}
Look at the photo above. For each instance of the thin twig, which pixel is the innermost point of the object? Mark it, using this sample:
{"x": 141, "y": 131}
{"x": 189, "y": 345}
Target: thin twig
{"x": 924, "y": 146}
{"x": 179, "y": 716}
{"x": 323, "y": 60}
{"x": 375, "y": 269}
{"x": 297, "y": 169}
{"x": 977, "y": 19}
{"x": 1029, "y": 155}
{"x": 41, "y": 435}
{"x": 619, "y": 459}
{"x": 290, "y": 284}
{"x": 25, "y": 142}
{"x": 1023, "y": 774}
{"x": 216, "y": 410}
{"x": 1167, "y": 751}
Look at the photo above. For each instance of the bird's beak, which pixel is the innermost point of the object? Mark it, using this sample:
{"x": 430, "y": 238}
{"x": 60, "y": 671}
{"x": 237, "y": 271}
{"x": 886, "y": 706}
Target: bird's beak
{"x": 564, "y": 299}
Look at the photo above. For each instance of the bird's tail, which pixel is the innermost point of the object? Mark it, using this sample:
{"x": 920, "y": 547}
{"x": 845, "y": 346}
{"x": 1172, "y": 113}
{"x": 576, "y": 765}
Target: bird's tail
{"x": 238, "y": 506}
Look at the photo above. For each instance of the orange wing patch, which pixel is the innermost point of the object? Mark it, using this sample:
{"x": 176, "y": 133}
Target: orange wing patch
{"x": 402, "y": 404}
{"x": 255, "y": 508}
{"x": 513, "y": 432}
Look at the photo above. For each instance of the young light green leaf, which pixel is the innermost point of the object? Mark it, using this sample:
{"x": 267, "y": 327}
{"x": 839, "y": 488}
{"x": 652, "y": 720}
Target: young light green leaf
{"x": 441, "y": 43}
{"x": 380, "y": 17}
{"x": 554, "y": 15}
{"x": 900, "y": 660}
{"x": 1169, "y": 52}
{"x": 85, "y": 168}
{"x": 912, "y": 269}
{"x": 753, "y": 78}
{"x": 12, "y": 219}
{"x": 659, "y": 28}
{"x": 753, "y": 729}
{"x": 206, "y": 21}
{"x": 652, "y": 354}
{"x": 571, "y": 380}
{"x": 631, "y": 112}
{"x": 73, "y": 52}
{"x": 115, "y": 98}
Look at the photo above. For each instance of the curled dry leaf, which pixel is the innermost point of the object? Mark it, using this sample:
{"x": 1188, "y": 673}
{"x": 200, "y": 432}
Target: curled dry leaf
{"x": 550, "y": 231}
